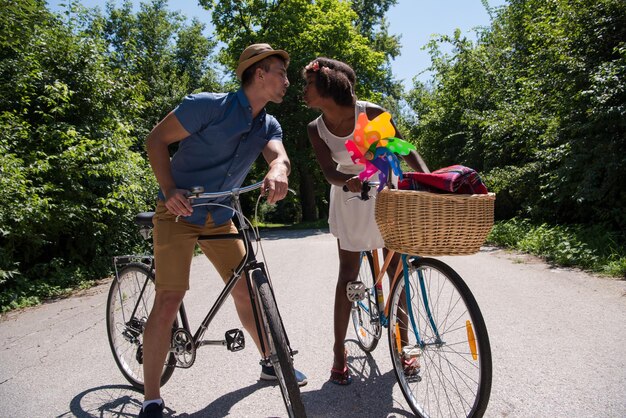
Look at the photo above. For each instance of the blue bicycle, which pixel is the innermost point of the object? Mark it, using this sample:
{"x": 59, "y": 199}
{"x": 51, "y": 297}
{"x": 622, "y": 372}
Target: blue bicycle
{"x": 438, "y": 339}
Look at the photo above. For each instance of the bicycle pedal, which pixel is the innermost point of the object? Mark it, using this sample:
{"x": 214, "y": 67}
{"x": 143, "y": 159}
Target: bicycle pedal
{"x": 235, "y": 340}
{"x": 356, "y": 291}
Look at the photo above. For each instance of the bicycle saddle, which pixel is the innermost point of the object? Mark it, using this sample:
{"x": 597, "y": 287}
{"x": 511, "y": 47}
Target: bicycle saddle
{"x": 144, "y": 218}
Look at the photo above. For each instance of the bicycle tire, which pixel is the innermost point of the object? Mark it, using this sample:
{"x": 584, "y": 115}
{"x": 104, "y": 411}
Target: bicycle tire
{"x": 280, "y": 354}
{"x": 132, "y": 291}
{"x": 365, "y": 316}
{"x": 455, "y": 374}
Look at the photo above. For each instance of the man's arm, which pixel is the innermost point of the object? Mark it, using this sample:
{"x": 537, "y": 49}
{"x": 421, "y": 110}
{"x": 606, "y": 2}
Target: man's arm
{"x": 276, "y": 184}
{"x": 166, "y": 132}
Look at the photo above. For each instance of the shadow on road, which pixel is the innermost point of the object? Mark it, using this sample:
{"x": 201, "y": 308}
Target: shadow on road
{"x": 369, "y": 395}
{"x": 222, "y": 406}
{"x": 125, "y": 401}
{"x": 105, "y": 401}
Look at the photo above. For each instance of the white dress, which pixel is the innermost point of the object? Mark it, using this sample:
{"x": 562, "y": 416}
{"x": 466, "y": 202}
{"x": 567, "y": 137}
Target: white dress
{"x": 352, "y": 222}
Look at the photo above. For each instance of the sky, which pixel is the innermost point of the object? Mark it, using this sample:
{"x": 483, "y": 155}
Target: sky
{"x": 414, "y": 20}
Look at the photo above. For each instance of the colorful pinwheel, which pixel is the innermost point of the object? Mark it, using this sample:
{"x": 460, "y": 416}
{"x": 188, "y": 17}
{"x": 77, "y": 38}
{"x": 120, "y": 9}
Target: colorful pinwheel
{"x": 374, "y": 146}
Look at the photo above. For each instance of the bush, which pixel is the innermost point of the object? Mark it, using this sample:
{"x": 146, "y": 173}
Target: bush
{"x": 591, "y": 248}
{"x": 69, "y": 182}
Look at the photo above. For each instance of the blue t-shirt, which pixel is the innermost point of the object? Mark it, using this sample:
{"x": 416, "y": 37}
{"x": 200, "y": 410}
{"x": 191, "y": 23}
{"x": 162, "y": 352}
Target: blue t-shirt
{"x": 223, "y": 143}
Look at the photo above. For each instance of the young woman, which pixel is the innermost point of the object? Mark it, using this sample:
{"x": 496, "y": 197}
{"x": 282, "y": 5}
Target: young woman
{"x": 330, "y": 88}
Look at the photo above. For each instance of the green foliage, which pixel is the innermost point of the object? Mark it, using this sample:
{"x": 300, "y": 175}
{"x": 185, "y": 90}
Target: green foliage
{"x": 74, "y": 114}
{"x": 538, "y": 105}
{"x": 591, "y": 248}
{"x": 342, "y": 30}
{"x": 170, "y": 57}
{"x": 67, "y": 181}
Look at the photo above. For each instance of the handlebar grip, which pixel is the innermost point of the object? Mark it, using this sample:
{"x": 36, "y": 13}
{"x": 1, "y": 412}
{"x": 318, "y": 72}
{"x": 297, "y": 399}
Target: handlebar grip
{"x": 365, "y": 188}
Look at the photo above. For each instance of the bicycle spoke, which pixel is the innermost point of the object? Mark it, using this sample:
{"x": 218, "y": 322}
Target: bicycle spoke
{"x": 365, "y": 317}
{"x": 128, "y": 306}
{"x": 450, "y": 380}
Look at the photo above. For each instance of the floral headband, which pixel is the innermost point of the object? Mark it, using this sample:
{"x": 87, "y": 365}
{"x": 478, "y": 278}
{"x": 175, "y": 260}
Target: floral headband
{"x": 315, "y": 67}
{"x": 312, "y": 66}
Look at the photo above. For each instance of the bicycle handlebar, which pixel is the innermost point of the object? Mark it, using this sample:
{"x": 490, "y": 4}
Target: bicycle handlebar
{"x": 365, "y": 188}
{"x": 197, "y": 192}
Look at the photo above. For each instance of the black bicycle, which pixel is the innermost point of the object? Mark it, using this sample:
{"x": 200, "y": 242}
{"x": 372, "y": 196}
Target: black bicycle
{"x": 132, "y": 294}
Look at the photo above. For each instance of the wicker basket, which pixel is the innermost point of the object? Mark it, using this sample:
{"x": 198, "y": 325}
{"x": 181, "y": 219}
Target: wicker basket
{"x": 432, "y": 224}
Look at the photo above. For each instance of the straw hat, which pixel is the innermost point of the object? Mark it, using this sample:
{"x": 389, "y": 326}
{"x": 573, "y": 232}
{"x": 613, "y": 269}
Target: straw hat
{"x": 255, "y": 53}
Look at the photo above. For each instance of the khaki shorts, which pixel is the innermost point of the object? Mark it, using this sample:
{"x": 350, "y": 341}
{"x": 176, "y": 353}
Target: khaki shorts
{"x": 174, "y": 244}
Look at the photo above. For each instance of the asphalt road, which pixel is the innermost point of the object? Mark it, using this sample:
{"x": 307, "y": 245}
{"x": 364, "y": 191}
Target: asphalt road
{"x": 558, "y": 340}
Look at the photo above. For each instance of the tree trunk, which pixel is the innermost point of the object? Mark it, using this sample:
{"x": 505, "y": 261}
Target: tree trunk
{"x": 307, "y": 195}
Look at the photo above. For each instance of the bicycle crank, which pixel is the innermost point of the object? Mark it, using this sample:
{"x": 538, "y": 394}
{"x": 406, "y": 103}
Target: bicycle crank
{"x": 183, "y": 348}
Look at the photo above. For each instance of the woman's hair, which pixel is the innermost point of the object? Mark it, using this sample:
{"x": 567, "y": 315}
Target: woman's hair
{"x": 333, "y": 79}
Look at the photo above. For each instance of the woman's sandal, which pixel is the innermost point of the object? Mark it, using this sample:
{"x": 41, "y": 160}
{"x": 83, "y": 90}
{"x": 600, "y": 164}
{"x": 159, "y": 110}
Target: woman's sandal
{"x": 411, "y": 366}
{"x": 340, "y": 377}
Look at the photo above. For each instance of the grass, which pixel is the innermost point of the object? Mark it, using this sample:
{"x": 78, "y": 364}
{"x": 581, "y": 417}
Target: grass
{"x": 319, "y": 224}
{"x": 591, "y": 248}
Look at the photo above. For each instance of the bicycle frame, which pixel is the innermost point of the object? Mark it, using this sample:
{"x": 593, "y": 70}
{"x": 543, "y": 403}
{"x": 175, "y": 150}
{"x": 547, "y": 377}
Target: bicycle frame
{"x": 383, "y": 307}
{"x": 247, "y": 265}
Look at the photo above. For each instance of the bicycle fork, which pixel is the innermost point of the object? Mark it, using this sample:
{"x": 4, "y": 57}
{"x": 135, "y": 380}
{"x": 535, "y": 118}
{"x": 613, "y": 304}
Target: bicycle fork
{"x": 256, "y": 308}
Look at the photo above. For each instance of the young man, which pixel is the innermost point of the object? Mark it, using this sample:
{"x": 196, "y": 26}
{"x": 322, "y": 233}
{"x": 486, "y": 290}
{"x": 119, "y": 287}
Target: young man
{"x": 220, "y": 135}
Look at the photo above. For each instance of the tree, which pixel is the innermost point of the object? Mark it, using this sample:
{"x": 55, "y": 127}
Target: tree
{"x": 539, "y": 104}
{"x": 68, "y": 182}
{"x": 77, "y": 100}
{"x": 307, "y": 29}
{"x": 170, "y": 57}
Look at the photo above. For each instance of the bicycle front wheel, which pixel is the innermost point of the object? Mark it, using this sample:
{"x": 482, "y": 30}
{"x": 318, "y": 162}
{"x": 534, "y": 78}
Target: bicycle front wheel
{"x": 280, "y": 354}
{"x": 128, "y": 305}
{"x": 365, "y": 316}
{"x": 435, "y": 320}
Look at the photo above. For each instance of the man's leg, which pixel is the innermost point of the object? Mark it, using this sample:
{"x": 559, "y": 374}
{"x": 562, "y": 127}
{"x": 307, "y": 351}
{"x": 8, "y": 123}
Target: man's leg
{"x": 174, "y": 243}
{"x": 156, "y": 339}
{"x": 226, "y": 255}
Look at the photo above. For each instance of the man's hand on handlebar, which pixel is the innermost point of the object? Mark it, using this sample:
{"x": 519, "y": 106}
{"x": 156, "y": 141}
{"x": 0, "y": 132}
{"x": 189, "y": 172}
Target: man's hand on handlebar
{"x": 275, "y": 187}
{"x": 177, "y": 203}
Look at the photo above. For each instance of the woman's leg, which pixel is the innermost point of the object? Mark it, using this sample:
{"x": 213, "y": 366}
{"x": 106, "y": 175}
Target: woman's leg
{"x": 402, "y": 317}
{"x": 348, "y": 272}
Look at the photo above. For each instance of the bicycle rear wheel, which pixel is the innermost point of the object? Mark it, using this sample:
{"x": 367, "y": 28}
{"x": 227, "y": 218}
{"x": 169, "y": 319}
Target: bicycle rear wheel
{"x": 128, "y": 305}
{"x": 365, "y": 316}
{"x": 454, "y": 377}
{"x": 280, "y": 354}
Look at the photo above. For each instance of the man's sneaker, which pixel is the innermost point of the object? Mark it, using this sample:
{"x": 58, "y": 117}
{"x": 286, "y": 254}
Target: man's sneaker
{"x": 268, "y": 373}
{"x": 154, "y": 410}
